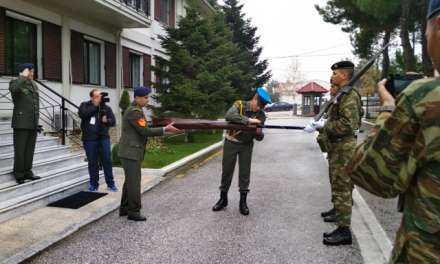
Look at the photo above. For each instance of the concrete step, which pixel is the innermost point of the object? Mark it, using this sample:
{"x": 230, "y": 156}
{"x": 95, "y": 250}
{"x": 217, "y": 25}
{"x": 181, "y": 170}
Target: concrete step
{"x": 43, "y": 153}
{"x": 8, "y": 147}
{"x": 7, "y": 135}
{"x": 5, "y": 125}
{"x": 42, "y": 167}
{"x": 17, "y": 194}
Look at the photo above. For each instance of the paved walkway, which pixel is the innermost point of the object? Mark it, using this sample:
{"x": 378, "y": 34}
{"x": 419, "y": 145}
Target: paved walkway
{"x": 289, "y": 189}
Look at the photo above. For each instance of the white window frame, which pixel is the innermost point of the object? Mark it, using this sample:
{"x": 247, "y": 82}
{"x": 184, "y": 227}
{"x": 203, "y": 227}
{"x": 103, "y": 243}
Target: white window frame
{"x": 141, "y": 67}
{"x": 38, "y": 24}
{"x": 102, "y": 48}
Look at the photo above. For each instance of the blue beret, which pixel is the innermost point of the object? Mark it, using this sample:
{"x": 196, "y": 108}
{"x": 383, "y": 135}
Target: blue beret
{"x": 25, "y": 66}
{"x": 264, "y": 96}
{"x": 434, "y": 8}
{"x": 142, "y": 91}
{"x": 343, "y": 65}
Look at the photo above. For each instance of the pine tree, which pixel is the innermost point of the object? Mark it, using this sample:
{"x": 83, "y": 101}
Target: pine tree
{"x": 124, "y": 102}
{"x": 255, "y": 72}
{"x": 197, "y": 76}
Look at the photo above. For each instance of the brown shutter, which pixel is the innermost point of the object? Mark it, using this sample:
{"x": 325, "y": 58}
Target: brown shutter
{"x": 147, "y": 70}
{"x": 172, "y": 22}
{"x": 157, "y": 10}
{"x": 2, "y": 41}
{"x": 77, "y": 57}
{"x": 126, "y": 66}
{"x": 110, "y": 65}
{"x": 51, "y": 52}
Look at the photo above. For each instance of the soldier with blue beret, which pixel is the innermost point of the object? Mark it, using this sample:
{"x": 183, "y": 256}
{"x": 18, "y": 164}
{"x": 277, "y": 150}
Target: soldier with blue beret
{"x": 239, "y": 144}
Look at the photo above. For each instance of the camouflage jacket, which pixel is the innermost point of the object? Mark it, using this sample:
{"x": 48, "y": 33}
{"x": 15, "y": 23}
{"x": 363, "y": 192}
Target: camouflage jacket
{"x": 402, "y": 155}
{"x": 344, "y": 117}
{"x": 240, "y": 113}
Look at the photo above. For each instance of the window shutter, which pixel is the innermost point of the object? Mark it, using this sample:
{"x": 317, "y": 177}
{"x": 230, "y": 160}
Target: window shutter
{"x": 147, "y": 70}
{"x": 126, "y": 67}
{"x": 2, "y": 41}
{"x": 77, "y": 57}
{"x": 157, "y": 10}
{"x": 110, "y": 65}
{"x": 51, "y": 52}
{"x": 172, "y": 22}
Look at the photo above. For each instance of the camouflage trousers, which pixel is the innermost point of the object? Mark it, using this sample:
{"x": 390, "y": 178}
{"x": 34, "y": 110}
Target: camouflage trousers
{"x": 330, "y": 177}
{"x": 414, "y": 245}
{"x": 342, "y": 187}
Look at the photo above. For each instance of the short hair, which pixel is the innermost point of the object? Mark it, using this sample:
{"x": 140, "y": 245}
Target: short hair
{"x": 93, "y": 91}
{"x": 349, "y": 72}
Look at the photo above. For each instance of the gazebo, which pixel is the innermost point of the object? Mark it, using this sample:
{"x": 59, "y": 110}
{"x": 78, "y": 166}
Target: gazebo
{"x": 311, "y": 98}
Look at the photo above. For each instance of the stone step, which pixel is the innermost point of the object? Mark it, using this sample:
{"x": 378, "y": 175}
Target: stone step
{"x": 17, "y": 194}
{"x": 42, "y": 167}
{"x": 8, "y": 147}
{"x": 7, "y": 135}
{"x": 5, "y": 125}
{"x": 43, "y": 153}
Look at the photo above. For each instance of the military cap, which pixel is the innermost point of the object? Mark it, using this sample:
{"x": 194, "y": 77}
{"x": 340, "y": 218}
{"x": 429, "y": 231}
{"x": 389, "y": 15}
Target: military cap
{"x": 434, "y": 8}
{"x": 25, "y": 66}
{"x": 343, "y": 65}
{"x": 264, "y": 96}
{"x": 142, "y": 91}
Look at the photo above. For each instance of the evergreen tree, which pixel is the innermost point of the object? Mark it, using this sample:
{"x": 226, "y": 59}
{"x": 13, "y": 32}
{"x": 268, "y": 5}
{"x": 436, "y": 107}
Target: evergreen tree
{"x": 196, "y": 79}
{"x": 255, "y": 72}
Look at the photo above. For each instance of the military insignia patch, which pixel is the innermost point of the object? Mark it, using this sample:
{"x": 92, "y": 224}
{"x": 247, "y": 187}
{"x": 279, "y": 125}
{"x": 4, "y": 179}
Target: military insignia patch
{"x": 142, "y": 122}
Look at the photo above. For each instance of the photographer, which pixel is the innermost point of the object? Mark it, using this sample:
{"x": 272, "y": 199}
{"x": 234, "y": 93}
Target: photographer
{"x": 96, "y": 119}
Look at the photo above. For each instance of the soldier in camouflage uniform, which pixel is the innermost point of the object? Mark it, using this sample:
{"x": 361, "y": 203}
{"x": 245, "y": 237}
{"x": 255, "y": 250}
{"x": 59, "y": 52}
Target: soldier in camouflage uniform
{"x": 344, "y": 119}
{"x": 240, "y": 144}
{"x": 402, "y": 157}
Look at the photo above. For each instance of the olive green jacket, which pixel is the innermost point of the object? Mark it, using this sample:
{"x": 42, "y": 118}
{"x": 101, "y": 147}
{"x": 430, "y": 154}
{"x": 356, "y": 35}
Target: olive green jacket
{"x": 26, "y": 103}
{"x": 135, "y": 133}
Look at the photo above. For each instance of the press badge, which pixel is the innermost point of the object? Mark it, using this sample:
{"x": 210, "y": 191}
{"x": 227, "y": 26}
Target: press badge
{"x": 92, "y": 121}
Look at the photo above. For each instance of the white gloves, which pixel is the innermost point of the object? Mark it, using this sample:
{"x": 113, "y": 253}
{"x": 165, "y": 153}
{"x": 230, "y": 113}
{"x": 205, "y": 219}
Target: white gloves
{"x": 315, "y": 125}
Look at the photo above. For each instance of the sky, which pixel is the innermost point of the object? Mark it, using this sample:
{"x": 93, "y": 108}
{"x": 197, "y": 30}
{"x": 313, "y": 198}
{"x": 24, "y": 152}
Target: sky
{"x": 294, "y": 27}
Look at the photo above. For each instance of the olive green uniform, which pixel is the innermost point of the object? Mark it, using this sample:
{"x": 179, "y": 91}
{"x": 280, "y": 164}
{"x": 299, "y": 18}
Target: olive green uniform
{"x": 25, "y": 119}
{"x": 135, "y": 133}
{"x": 239, "y": 144}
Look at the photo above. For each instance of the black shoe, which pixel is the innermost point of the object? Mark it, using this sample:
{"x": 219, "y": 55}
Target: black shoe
{"x": 20, "y": 181}
{"x": 327, "y": 234}
{"x": 329, "y": 212}
{"x": 341, "y": 236}
{"x": 222, "y": 203}
{"x": 244, "y": 210}
{"x": 34, "y": 178}
{"x": 123, "y": 213}
{"x": 137, "y": 218}
{"x": 330, "y": 219}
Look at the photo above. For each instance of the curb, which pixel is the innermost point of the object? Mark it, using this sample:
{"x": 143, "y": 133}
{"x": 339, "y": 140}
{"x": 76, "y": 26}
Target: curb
{"x": 158, "y": 175}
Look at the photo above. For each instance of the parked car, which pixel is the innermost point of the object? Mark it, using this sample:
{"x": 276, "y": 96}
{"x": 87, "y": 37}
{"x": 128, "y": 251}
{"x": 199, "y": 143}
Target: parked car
{"x": 279, "y": 106}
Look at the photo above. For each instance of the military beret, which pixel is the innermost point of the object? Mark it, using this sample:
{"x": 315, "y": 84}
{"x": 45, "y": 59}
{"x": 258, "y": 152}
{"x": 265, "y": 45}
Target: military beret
{"x": 24, "y": 66}
{"x": 142, "y": 91}
{"x": 434, "y": 8}
{"x": 343, "y": 65}
{"x": 264, "y": 96}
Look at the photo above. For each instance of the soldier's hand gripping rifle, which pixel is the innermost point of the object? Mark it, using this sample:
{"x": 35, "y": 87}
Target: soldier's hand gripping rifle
{"x": 350, "y": 84}
{"x": 200, "y": 124}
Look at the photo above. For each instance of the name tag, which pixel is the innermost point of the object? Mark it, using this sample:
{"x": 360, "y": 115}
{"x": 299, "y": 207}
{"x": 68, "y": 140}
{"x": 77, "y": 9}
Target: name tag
{"x": 92, "y": 121}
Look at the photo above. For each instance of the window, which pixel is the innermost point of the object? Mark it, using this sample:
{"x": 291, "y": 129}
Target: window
{"x": 135, "y": 69}
{"x": 165, "y": 10}
{"x": 21, "y": 44}
{"x": 141, "y": 5}
{"x": 92, "y": 62}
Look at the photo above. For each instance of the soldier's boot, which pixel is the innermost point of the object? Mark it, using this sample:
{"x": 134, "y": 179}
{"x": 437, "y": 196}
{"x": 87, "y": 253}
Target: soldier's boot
{"x": 244, "y": 210}
{"x": 341, "y": 236}
{"x": 329, "y": 212}
{"x": 222, "y": 203}
{"x": 137, "y": 217}
{"x": 330, "y": 218}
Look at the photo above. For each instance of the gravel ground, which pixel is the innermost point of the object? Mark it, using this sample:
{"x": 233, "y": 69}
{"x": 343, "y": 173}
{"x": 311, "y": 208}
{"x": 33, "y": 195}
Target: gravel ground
{"x": 289, "y": 189}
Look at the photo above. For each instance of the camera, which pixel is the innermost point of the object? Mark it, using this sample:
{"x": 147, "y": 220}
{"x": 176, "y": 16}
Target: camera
{"x": 397, "y": 83}
{"x": 104, "y": 100}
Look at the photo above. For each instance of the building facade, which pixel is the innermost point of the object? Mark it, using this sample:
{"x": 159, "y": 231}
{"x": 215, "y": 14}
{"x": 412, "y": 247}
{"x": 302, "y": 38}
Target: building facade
{"x": 80, "y": 45}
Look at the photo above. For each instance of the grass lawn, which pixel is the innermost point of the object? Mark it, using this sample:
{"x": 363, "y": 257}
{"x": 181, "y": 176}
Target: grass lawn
{"x": 175, "y": 148}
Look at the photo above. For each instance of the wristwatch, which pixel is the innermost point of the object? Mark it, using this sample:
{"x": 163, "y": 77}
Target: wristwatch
{"x": 387, "y": 108}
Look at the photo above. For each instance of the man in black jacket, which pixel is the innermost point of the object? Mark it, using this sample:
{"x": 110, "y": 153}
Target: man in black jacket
{"x": 96, "y": 119}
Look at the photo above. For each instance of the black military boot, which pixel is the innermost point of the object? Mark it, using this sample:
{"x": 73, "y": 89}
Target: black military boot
{"x": 341, "y": 236}
{"x": 244, "y": 210}
{"x": 222, "y": 203}
{"x": 137, "y": 217}
{"x": 330, "y": 218}
{"x": 329, "y": 212}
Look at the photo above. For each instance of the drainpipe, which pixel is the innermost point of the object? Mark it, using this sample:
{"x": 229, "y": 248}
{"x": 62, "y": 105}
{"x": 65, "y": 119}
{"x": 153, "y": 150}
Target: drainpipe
{"x": 119, "y": 79}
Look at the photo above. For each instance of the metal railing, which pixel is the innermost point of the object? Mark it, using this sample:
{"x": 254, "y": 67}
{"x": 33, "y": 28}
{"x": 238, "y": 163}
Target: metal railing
{"x": 371, "y": 106}
{"x": 57, "y": 113}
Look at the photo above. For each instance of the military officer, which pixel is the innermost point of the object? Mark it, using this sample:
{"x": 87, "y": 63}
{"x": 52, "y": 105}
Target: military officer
{"x": 25, "y": 119}
{"x": 135, "y": 133}
{"x": 402, "y": 157}
{"x": 240, "y": 144}
{"x": 344, "y": 119}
